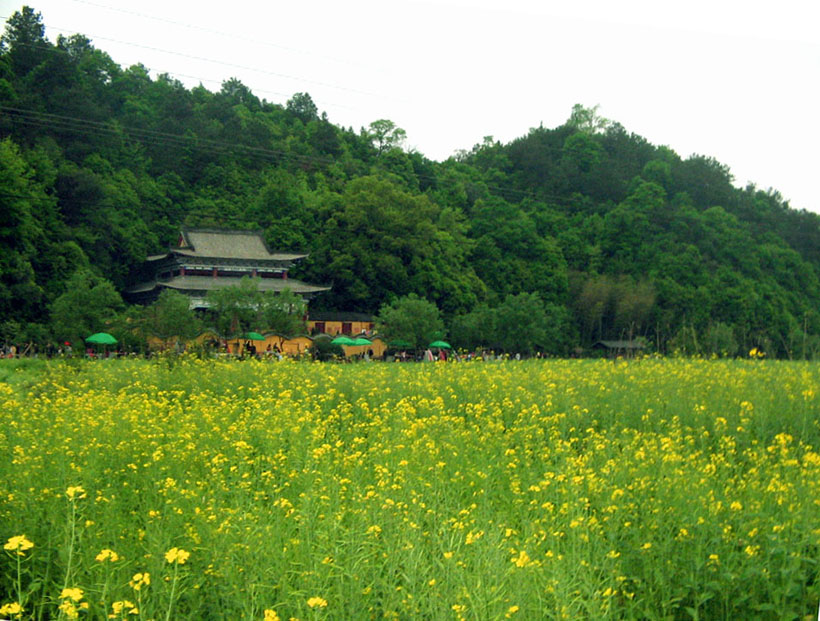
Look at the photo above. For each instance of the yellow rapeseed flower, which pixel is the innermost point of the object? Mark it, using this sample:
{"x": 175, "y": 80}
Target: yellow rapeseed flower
{"x": 107, "y": 555}
{"x": 75, "y": 594}
{"x": 18, "y": 545}
{"x": 270, "y": 615}
{"x": 75, "y": 492}
{"x": 522, "y": 560}
{"x": 123, "y": 607}
{"x": 317, "y": 602}
{"x": 11, "y": 610}
{"x": 68, "y": 609}
{"x": 473, "y": 536}
{"x": 177, "y": 555}
{"x": 140, "y": 580}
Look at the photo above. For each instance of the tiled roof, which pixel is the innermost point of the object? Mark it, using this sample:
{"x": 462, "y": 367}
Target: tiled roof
{"x": 213, "y": 243}
{"x": 208, "y": 283}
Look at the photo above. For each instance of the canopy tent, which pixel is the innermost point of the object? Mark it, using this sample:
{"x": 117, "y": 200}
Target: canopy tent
{"x": 101, "y": 338}
{"x": 343, "y": 340}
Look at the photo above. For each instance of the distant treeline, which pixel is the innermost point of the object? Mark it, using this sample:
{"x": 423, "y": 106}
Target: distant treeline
{"x": 101, "y": 165}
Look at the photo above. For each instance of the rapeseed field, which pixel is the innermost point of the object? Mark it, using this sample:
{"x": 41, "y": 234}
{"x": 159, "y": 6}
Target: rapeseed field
{"x": 203, "y": 489}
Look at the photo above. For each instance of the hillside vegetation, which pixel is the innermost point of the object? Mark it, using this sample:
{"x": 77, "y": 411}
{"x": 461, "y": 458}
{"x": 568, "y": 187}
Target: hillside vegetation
{"x": 101, "y": 165}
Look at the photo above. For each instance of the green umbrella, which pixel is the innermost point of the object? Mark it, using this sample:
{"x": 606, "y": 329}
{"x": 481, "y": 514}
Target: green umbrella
{"x": 101, "y": 338}
{"x": 360, "y": 340}
{"x": 440, "y": 345}
{"x": 254, "y": 336}
{"x": 400, "y": 344}
{"x": 343, "y": 340}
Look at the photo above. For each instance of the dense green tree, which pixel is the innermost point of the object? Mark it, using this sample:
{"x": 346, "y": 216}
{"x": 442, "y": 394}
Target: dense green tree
{"x": 587, "y": 120}
{"x": 386, "y": 241}
{"x": 720, "y": 340}
{"x": 31, "y": 254}
{"x": 282, "y": 313}
{"x": 242, "y": 308}
{"x": 170, "y": 319}
{"x": 231, "y": 310}
{"x": 509, "y": 254}
{"x": 385, "y": 135}
{"x": 476, "y": 329}
{"x": 412, "y": 319}
{"x": 581, "y": 153}
{"x": 24, "y": 40}
{"x": 613, "y": 308}
{"x": 524, "y": 324}
{"x": 302, "y": 107}
{"x": 89, "y": 305}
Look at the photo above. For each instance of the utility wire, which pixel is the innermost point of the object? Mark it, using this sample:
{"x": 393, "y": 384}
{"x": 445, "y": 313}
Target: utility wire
{"x": 216, "y": 62}
{"x": 54, "y": 49}
{"x": 220, "y": 33}
{"x": 156, "y": 137}
{"x": 159, "y": 138}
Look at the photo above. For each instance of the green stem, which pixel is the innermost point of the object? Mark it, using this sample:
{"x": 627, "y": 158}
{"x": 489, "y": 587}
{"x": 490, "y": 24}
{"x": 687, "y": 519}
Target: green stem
{"x": 70, "y": 549}
{"x": 173, "y": 590}
{"x": 19, "y": 582}
{"x": 70, "y": 545}
{"x": 104, "y": 593}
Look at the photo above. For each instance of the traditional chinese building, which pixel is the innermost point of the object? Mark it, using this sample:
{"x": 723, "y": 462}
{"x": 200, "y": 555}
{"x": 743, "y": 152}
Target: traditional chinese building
{"x": 208, "y": 259}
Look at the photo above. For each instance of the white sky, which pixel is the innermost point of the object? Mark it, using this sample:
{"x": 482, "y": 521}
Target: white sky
{"x": 738, "y": 81}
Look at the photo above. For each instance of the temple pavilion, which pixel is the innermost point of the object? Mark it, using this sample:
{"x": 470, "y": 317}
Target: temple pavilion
{"x": 208, "y": 259}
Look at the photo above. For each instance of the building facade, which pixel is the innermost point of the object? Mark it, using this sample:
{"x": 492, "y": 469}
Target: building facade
{"x": 207, "y": 259}
{"x": 334, "y": 323}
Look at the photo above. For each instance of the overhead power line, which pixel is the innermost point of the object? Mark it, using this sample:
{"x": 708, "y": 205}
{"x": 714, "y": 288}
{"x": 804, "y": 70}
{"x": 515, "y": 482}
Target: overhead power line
{"x": 220, "y": 33}
{"x": 58, "y": 121}
{"x": 215, "y": 61}
{"x": 159, "y": 138}
{"x": 53, "y": 49}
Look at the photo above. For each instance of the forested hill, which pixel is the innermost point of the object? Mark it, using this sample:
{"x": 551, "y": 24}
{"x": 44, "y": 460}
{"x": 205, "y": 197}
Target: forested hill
{"x": 101, "y": 165}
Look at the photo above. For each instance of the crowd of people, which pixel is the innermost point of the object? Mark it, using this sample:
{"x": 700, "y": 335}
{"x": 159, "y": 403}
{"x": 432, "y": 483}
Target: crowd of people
{"x": 249, "y": 350}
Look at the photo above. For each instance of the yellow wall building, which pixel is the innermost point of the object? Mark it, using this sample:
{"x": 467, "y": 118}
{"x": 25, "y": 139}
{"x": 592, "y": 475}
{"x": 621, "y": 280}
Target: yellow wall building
{"x": 333, "y": 323}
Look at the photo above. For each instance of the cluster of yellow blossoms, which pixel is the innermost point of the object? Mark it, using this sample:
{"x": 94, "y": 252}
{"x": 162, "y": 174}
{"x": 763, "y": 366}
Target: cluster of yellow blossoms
{"x": 582, "y": 489}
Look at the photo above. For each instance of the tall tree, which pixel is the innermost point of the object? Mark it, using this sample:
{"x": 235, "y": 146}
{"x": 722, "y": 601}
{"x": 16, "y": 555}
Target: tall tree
{"x": 170, "y": 319}
{"x": 242, "y": 308}
{"x": 25, "y": 247}
{"x": 88, "y": 305}
{"x": 301, "y": 106}
{"x": 25, "y": 40}
{"x": 386, "y": 135}
{"x": 412, "y": 319}
{"x": 587, "y": 120}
